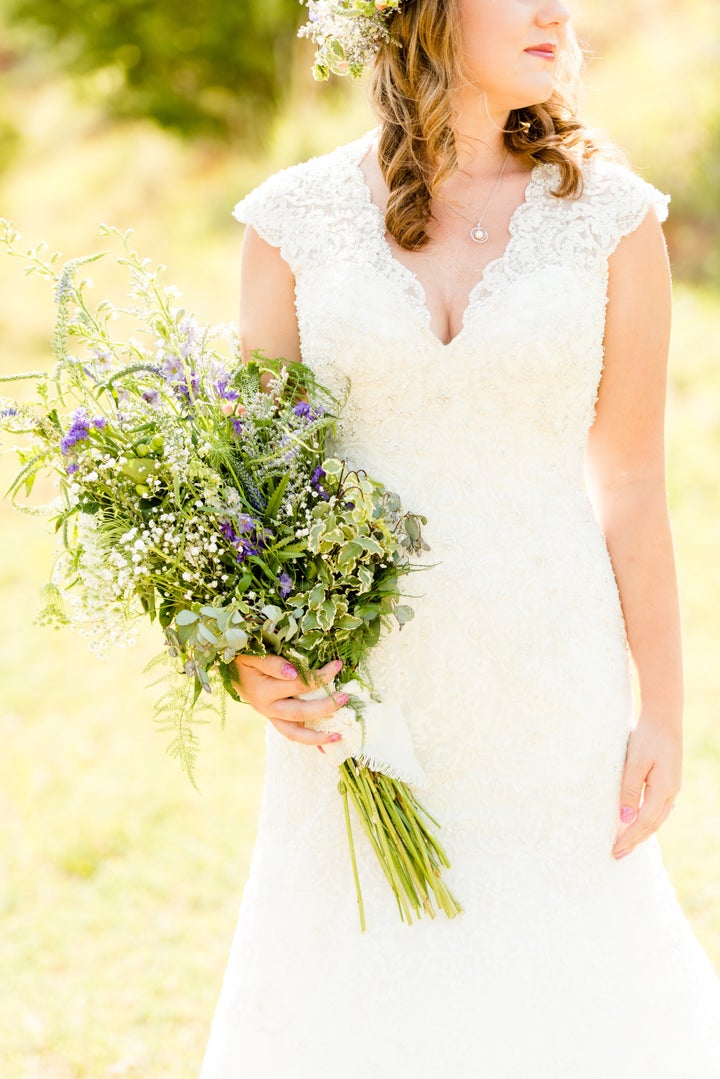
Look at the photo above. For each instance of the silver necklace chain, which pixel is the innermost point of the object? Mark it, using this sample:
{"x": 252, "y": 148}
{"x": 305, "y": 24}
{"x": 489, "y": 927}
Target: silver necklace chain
{"x": 478, "y": 233}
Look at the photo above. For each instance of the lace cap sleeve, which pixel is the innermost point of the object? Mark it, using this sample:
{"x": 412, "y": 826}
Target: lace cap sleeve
{"x": 620, "y": 201}
{"x": 274, "y": 209}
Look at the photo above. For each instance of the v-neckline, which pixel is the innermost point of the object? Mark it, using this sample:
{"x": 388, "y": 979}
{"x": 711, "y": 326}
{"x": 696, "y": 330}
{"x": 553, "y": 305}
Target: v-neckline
{"x": 492, "y": 269}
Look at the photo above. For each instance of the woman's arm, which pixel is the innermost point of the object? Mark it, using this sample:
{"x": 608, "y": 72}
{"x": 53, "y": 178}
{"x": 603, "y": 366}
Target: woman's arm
{"x": 267, "y": 301}
{"x": 626, "y": 476}
{"x": 268, "y": 323}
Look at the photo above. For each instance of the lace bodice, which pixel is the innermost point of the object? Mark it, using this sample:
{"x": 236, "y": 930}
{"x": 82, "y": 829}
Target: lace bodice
{"x": 549, "y": 285}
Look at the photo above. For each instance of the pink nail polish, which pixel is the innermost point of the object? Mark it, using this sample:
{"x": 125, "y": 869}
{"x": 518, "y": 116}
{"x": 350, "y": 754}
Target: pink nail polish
{"x": 321, "y": 749}
{"x": 289, "y": 671}
{"x": 337, "y": 665}
{"x": 627, "y": 814}
{"x": 622, "y": 854}
{"x": 334, "y": 737}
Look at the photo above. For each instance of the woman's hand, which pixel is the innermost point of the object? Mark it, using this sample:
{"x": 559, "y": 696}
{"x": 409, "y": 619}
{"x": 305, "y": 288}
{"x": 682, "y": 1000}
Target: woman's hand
{"x": 653, "y": 761}
{"x": 271, "y": 686}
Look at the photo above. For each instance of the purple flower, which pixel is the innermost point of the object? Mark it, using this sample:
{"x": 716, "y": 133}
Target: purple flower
{"x": 247, "y": 524}
{"x": 72, "y": 467}
{"x": 318, "y": 475}
{"x": 237, "y": 425}
{"x": 173, "y": 372}
{"x": 284, "y": 585}
{"x": 151, "y": 396}
{"x": 305, "y": 411}
{"x": 247, "y": 536}
{"x": 221, "y": 389}
{"x": 7, "y": 412}
{"x": 172, "y": 368}
{"x": 229, "y": 532}
{"x": 104, "y": 357}
{"x": 78, "y": 431}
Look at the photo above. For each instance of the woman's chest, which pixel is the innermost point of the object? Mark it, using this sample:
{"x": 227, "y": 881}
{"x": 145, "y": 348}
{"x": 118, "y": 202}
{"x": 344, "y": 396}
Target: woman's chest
{"x": 365, "y": 314}
{"x": 445, "y": 276}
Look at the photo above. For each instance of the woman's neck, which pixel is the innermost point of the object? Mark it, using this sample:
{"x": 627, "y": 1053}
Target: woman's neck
{"x": 479, "y": 142}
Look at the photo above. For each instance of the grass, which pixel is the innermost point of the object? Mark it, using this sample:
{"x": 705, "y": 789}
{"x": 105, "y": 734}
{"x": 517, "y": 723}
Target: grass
{"x": 119, "y": 885}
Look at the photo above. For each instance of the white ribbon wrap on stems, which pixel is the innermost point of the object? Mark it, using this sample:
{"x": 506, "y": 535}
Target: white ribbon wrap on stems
{"x": 380, "y": 739}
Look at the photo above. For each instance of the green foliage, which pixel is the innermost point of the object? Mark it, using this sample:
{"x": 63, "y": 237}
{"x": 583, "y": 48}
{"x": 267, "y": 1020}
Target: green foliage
{"x": 219, "y": 70}
{"x": 9, "y": 144}
{"x": 667, "y": 115}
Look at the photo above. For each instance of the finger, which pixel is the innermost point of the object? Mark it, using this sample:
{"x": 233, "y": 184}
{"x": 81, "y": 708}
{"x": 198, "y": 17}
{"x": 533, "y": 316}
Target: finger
{"x": 270, "y": 666}
{"x": 633, "y": 781}
{"x": 664, "y": 815}
{"x": 295, "y": 732}
{"x": 318, "y": 678}
{"x": 295, "y": 711}
{"x": 650, "y": 812}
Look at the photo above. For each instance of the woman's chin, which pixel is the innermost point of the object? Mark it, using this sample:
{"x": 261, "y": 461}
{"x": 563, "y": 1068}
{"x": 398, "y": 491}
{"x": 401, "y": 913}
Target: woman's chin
{"x": 536, "y": 93}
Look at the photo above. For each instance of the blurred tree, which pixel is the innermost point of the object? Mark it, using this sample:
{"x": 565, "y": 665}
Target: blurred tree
{"x": 216, "y": 68}
{"x": 9, "y": 135}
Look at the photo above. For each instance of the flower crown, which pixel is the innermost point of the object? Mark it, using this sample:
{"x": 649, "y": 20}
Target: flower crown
{"x": 347, "y": 33}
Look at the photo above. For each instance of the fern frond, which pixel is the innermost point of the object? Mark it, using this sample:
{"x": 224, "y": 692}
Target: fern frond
{"x": 178, "y": 713}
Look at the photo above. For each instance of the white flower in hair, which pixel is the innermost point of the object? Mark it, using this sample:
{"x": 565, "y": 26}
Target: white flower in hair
{"x": 347, "y": 33}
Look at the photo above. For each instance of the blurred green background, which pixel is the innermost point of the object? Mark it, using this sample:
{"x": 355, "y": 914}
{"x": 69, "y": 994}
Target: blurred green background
{"x": 119, "y": 885}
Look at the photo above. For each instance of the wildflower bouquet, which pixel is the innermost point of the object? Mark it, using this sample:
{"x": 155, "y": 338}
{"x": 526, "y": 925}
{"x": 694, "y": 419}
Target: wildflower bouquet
{"x": 197, "y": 491}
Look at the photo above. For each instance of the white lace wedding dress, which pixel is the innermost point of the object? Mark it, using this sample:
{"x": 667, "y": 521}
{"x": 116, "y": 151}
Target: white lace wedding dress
{"x": 513, "y": 677}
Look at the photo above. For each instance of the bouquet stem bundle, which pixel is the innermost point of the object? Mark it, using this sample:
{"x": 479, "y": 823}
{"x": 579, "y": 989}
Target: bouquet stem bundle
{"x": 407, "y": 849}
{"x": 199, "y": 492}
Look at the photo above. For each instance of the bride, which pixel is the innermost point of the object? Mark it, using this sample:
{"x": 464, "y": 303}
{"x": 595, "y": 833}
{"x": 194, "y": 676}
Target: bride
{"x": 498, "y": 293}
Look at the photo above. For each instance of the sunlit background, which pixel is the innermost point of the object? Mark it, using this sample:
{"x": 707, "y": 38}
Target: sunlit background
{"x": 119, "y": 885}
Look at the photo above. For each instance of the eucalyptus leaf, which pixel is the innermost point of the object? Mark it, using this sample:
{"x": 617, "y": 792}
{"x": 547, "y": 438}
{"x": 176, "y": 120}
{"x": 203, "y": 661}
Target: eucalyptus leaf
{"x": 403, "y": 613}
{"x": 186, "y": 635}
{"x": 186, "y": 618}
{"x": 211, "y": 612}
{"x": 207, "y": 635}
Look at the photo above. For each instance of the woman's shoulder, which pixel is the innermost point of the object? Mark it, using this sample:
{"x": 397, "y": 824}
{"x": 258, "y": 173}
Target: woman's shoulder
{"x": 613, "y": 190}
{"x": 302, "y": 186}
{"x": 612, "y": 202}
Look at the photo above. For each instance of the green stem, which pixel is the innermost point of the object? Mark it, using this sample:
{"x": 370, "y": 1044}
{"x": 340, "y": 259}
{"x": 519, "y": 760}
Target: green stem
{"x": 342, "y": 787}
{"x": 447, "y": 902}
{"x": 417, "y": 872}
{"x": 391, "y": 850}
{"x": 368, "y": 817}
{"x": 363, "y": 813}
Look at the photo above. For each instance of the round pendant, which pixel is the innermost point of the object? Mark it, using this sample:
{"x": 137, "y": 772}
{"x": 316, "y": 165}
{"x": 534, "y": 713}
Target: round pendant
{"x": 479, "y": 235}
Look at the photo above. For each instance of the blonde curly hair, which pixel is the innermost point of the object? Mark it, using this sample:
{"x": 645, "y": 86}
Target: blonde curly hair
{"x": 411, "y": 91}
